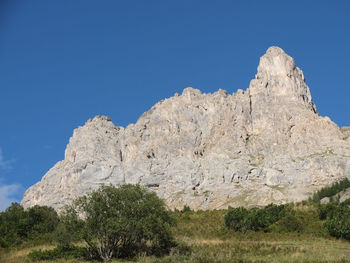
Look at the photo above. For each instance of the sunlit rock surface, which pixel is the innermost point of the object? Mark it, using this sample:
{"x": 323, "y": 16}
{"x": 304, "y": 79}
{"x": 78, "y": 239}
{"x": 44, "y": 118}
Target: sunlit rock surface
{"x": 265, "y": 144}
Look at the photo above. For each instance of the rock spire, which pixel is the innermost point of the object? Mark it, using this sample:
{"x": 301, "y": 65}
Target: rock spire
{"x": 266, "y": 144}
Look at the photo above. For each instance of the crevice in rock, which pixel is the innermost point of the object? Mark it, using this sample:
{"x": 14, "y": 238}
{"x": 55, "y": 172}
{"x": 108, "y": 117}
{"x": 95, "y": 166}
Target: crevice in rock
{"x": 199, "y": 153}
{"x": 151, "y": 155}
{"x": 152, "y": 185}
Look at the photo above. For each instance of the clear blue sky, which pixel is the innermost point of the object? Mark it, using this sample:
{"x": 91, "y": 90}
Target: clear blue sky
{"x": 63, "y": 62}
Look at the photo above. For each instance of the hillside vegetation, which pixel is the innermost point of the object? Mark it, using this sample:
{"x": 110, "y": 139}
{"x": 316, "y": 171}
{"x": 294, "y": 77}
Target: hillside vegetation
{"x": 303, "y": 232}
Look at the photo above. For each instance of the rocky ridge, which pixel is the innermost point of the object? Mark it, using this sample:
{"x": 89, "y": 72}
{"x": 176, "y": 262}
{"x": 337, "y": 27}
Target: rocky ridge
{"x": 265, "y": 144}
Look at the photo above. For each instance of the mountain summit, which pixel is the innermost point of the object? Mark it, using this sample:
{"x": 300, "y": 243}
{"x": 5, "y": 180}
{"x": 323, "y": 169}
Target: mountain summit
{"x": 278, "y": 75}
{"x": 266, "y": 144}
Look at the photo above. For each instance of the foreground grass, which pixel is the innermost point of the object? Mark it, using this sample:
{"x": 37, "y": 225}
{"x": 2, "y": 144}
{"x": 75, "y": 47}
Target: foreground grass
{"x": 216, "y": 250}
{"x": 208, "y": 241}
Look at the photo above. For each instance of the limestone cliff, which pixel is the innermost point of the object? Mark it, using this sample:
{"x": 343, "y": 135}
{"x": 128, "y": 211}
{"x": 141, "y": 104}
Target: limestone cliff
{"x": 265, "y": 144}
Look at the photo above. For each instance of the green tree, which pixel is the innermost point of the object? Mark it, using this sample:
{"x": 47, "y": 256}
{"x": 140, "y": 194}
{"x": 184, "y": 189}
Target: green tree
{"x": 69, "y": 228}
{"x": 13, "y": 225}
{"x": 122, "y": 222}
{"x": 41, "y": 220}
{"x": 18, "y": 225}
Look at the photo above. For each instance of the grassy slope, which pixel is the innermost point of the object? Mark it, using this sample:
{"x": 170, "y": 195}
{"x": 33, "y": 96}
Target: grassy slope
{"x": 202, "y": 231}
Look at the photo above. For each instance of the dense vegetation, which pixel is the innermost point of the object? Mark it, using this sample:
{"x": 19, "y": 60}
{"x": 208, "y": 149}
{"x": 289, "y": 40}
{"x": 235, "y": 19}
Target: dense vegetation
{"x": 331, "y": 191}
{"x": 289, "y": 218}
{"x": 333, "y": 217}
{"x": 303, "y": 232}
{"x": 35, "y": 224}
{"x": 242, "y": 219}
{"x": 337, "y": 219}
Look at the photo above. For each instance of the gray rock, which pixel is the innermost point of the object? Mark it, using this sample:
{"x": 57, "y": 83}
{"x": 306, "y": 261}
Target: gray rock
{"x": 266, "y": 144}
{"x": 325, "y": 200}
{"x": 343, "y": 196}
{"x": 346, "y": 132}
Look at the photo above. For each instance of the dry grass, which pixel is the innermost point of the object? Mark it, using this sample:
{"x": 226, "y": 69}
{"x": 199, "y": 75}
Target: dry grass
{"x": 17, "y": 255}
{"x": 233, "y": 250}
{"x": 208, "y": 241}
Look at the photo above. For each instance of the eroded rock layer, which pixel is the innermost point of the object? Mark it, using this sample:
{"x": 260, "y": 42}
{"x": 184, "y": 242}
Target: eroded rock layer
{"x": 266, "y": 144}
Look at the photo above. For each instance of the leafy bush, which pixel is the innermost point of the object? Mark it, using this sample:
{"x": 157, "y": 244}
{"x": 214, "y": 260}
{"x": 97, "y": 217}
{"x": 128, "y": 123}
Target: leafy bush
{"x": 185, "y": 209}
{"x": 327, "y": 210}
{"x": 288, "y": 223}
{"x": 338, "y": 222}
{"x": 242, "y": 219}
{"x": 57, "y": 253}
{"x": 337, "y": 219}
{"x": 68, "y": 229}
{"x": 330, "y": 191}
{"x": 41, "y": 220}
{"x": 236, "y": 217}
{"x": 18, "y": 225}
{"x": 336, "y": 215}
{"x": 121, "y": 222}
{"x": 346, "y": 202}
{"x": 269, "y": 215}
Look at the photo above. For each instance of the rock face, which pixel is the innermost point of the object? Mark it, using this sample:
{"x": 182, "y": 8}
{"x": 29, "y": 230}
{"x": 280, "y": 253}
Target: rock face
{"x": 266, "y": 144}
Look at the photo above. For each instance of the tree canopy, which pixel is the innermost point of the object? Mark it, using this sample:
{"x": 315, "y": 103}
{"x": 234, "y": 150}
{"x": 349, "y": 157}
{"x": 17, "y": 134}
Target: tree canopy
{"x": 121, "y": 222}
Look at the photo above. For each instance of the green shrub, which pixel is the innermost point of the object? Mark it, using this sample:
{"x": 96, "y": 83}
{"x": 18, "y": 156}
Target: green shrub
{"x": 346, "y": 202}
{"x": 288, "y": 223}
{"x": 336, "y": 219}
{"x": 236, "y": 217}
{"x": 69, "y": 228}
{"x": 256, "y": 219}
{"x": 186, "y": 209}
{"x": 42, "y": 220}
{"x": 18, "y": 225}
{"x": 58, "y": 252}
{"x": 122, "y": 222}
{"x": 269, "y": 215}
{"x": 327, "y": 210}
{"x": 338, "y": 222}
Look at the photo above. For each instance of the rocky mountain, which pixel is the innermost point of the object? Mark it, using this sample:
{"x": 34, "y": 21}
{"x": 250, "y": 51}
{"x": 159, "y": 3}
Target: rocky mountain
{"x": 265, "y": 144}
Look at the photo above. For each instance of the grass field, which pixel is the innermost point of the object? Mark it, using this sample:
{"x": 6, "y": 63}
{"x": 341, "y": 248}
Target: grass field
{"x": 207, "y": 240}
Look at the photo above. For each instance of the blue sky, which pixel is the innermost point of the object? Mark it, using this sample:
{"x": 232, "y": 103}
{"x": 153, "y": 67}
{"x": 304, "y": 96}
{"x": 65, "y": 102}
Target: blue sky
{"x": 63, "y": 62}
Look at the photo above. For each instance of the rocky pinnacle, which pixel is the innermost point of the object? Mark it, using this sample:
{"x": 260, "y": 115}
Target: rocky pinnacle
{"x": 265, "y": 144}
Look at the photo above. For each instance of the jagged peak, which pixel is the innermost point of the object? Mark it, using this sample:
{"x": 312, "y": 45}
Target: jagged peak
{"x": 275, "y": 62}
{"x": 99, "y": 118}
{"x": 191, "y": 91}
{"x": 99, "y": 121}
{"x": 275, "y": 50}
{"x": 220, "y": 92}
{"x": 278, "y": 76}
